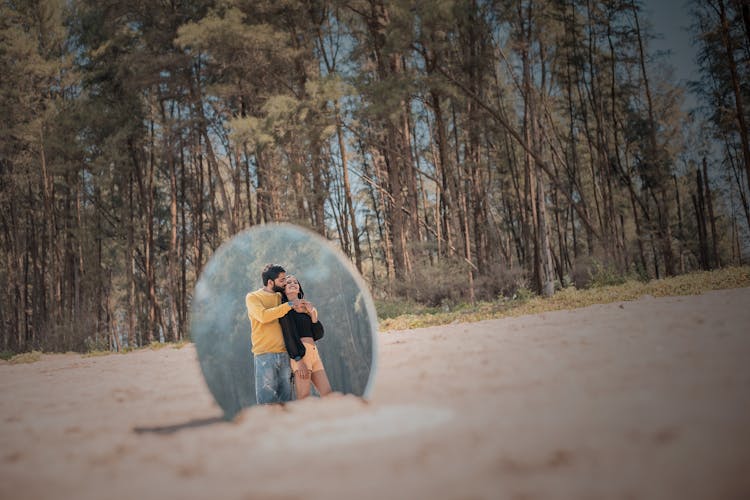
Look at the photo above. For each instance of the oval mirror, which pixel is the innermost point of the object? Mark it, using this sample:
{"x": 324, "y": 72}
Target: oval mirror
{"x": 220, "y": 326}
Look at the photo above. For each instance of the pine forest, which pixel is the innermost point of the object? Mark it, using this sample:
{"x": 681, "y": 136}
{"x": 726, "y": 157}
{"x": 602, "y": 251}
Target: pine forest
{"x": 454, "y": 150}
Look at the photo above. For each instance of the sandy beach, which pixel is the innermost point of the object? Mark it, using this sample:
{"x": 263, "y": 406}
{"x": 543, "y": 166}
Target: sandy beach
{"x": 635, "y": 400}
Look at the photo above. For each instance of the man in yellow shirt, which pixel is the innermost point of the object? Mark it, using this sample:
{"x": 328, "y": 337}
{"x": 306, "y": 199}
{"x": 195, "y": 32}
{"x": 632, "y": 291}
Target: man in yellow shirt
{"x": 272, "y": 367}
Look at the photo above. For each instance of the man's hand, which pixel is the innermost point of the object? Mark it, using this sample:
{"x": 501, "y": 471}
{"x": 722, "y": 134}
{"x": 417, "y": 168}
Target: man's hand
{"x": 299, "y": 305}
{"x": 302, "y": 372}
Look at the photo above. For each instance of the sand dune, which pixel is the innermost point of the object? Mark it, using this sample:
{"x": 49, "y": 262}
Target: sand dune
{"x": 647, "y": 399}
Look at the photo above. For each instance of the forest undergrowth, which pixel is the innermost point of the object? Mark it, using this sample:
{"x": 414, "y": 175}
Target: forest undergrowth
{"x": 525, "y": 302}
{"x": 392, "y": 315}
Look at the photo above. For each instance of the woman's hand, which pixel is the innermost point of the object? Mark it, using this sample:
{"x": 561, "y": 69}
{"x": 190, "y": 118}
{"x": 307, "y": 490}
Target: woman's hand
{"x": 302, "y": 372}
{"x": 312, "y": 311}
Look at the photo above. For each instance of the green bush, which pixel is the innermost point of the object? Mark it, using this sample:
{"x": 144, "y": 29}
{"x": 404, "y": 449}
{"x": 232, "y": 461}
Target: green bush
{"x": 523, "y": 294}
{"x": 594, "y": 272}
{"x": 605, "y": 275}
{"x": 390, "y": 308}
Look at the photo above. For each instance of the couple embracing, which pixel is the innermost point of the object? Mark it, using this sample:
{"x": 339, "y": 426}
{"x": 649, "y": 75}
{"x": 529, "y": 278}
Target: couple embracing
{"x": 284, "y": 327}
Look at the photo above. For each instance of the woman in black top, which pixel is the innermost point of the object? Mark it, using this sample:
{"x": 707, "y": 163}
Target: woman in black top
{"x": 301, "y": 329}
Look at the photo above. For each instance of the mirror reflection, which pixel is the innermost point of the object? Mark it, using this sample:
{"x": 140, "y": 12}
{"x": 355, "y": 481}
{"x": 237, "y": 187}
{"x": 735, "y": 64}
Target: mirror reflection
{"x": 304, "y": 325}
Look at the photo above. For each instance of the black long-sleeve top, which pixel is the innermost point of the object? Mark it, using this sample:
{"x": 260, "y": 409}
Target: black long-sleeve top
{"x": 295, "y": 326}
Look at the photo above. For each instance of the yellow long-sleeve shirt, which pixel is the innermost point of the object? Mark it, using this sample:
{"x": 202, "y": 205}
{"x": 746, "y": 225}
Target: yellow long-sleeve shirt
{"x": 264, "y": 310}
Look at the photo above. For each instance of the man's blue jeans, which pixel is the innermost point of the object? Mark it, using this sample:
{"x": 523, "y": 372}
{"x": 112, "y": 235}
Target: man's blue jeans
{"x": 273, "y": 375}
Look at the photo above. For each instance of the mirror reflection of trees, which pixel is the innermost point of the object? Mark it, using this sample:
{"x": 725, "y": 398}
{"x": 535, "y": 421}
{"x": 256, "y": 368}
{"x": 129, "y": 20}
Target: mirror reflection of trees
{"x": 492, "y": 144}
{"x": 221, "y": 328}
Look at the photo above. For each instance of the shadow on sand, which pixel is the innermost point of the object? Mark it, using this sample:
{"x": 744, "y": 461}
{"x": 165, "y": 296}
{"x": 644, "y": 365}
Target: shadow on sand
{"x": 171, "y": 429}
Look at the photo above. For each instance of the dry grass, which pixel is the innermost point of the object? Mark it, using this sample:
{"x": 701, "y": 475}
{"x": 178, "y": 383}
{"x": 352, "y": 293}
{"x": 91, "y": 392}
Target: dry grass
{"x": 25, "y": 357}
{"x": 96, "y": 353}
{"x": 155, "y": 346}
{"x": 570, "y": 298}
{"x": 30, "y": 357}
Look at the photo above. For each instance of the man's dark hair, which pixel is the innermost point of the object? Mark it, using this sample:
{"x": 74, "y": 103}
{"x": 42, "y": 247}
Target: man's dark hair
{"x": 271, "y": 272}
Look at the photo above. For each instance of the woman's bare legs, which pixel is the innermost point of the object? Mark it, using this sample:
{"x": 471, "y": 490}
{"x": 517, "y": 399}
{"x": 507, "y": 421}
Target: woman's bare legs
{"x": 303, "y": 386}
{"x": 320, "y": 379}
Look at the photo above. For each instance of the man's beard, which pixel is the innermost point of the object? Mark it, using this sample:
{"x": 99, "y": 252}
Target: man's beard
{"x": 277, "y": 288}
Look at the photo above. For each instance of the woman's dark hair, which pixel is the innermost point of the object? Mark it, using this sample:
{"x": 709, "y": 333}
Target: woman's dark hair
{"x": 300, "y": 296}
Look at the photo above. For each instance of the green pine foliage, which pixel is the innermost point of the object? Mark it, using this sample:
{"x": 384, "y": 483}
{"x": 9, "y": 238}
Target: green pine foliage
{"x": 483, "y": 149}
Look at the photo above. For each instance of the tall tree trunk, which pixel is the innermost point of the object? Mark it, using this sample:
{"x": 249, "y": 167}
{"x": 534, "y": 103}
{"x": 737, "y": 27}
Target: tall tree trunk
{"x": 442, "y": 170}
{"x": 202, "y": 126}
{"x": 726, "y": 37}
{"x": 348, "y": 189}
{"x": 132, "y": 340}
{"x": 665, "y": 232}
{"x": 172, "y": 265}
{"x": 700, "y": 213}
{"x": 680, "y": 233}
{"x": 711, "y": 217}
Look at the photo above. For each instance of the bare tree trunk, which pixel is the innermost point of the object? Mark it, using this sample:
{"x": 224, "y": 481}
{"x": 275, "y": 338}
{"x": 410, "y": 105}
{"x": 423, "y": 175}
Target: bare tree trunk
{"x": 183, "y": 258}
{"x": 681, "y": 233}
{"x": 198, "y": 203}
{"x": 446, "y": 197}
{"x": 172, "y": 266}
{"x": 318, "y": 192}
{"x": 711, "y": 218}
{"x": 132, "y": 341}
{"x": 248, "y": 192}
{"x": 467, "y": 243}
{"x": 737, "y": 176}
{"x": 700, "y": 214}
{"x": 385, "y": 235}
{"x": 665, "y": 233}
{"x": 348, "y": 190}
{"x": 638, "y": 232}
{"x": 414, "y": 229}
{"x": 738, "y": 98}
{"x": 197, "y": 105}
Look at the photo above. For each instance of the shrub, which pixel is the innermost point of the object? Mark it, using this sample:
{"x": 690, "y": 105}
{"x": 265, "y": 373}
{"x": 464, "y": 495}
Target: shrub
{"x": 499, "y": 281}
{"x": 101, "y": 343}
{"x": 26, "y": 357}
{"x": 442, "y": 284}
{"x": 445, "y": 284}
{"x": 391, "y": 308}
{"x": 592, "y": 271}
{"x": 605, "y": 275}
{"x": 523, "y": 294}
